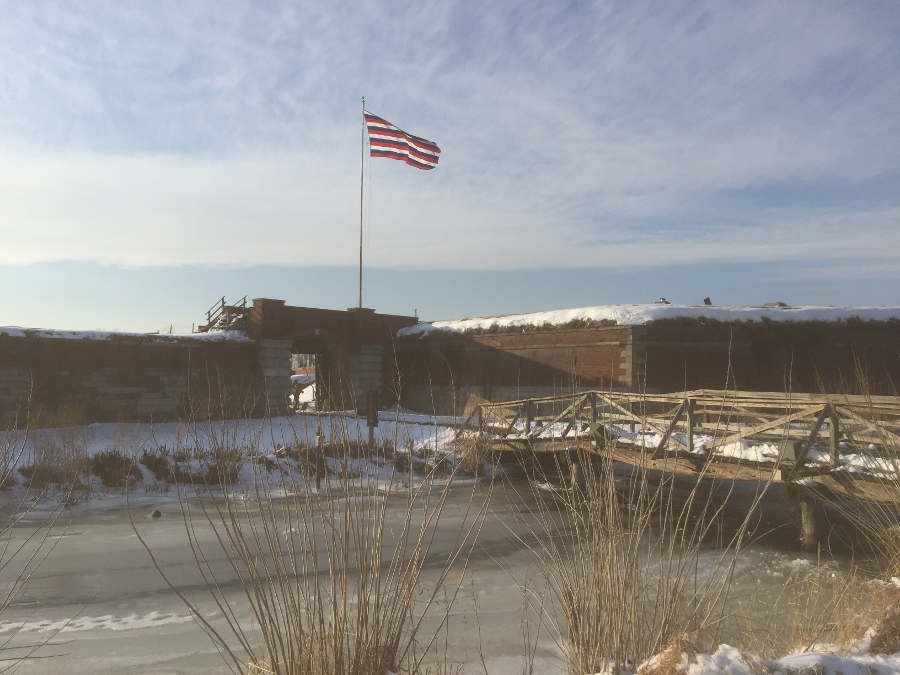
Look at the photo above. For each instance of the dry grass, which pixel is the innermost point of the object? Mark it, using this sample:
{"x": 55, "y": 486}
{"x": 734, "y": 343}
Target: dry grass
{"x": 682, "y": 649}
{"x": 620, "y": 569}
{"x": 22, "y": 554}
{"x": 336, "y": 583}
{"x": 58, "y": 457}
{"x": 620, "y": 555}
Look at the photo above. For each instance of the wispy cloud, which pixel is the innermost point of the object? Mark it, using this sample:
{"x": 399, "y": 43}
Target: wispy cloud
{"x": 605, "y": 134}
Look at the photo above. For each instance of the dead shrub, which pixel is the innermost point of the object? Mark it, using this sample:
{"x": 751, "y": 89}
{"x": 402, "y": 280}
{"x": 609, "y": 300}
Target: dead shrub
{"x": 189, "y": 464}
{"x": 114, "y": 469}
{"x": 335, "y": 586}
{"x": 58, "y": 457}
{"x": 157, "y": 462}
{"x": 886, "y": 639}
{"x": 671, "y": 659}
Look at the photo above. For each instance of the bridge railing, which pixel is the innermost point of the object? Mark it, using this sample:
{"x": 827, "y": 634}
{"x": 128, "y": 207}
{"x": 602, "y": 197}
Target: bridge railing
{"x": 700, "y": 425}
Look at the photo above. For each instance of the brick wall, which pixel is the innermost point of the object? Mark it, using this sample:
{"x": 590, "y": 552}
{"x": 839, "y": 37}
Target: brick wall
{"x": 809, "y": 356}
{"x": 346, "y": 340}
{"x": 452, "y": 372}
{"x": 128, "y": 378}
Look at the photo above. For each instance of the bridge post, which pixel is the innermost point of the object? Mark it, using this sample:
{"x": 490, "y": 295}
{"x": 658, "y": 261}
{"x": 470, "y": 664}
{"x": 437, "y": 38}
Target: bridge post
{"x": 834, "y": 424}
{"x": 320, "y": 457}
{"x": 809, "y": 537}
{"x": 799, "y": 493}
{"x": 577, "y": 479}
{"x": 689, "y": 421}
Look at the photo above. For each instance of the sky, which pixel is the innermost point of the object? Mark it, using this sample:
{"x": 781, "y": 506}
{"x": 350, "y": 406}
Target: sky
{"x": 157, "y": 156}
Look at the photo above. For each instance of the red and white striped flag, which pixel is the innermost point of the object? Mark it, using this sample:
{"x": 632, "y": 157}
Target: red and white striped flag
{"x": 386, "y": 140}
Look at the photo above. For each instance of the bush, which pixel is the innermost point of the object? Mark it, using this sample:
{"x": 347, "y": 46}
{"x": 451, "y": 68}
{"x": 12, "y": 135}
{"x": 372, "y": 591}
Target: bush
{"x": 114, "y": 469}
{"x": 157, "y": 462}
{"x": 42, "y": 475}
{"x": 222, "y": 466}
{"x": 334, "y": 586}
{"x": 59, "y": 457}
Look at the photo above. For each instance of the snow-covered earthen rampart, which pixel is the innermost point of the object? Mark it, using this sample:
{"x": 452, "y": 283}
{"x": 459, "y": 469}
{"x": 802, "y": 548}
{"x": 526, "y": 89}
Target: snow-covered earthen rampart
{"x": 216, "y": 336}
{"x": 637, "y": 315}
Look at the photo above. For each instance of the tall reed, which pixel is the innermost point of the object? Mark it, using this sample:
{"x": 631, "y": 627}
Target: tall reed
{"x": 621, "y": 554}
{"x": 25, "y": 536}
{"x": 337, "y": 581}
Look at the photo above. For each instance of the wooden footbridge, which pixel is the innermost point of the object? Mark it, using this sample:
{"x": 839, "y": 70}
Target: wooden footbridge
{"x": 824, "y": 447}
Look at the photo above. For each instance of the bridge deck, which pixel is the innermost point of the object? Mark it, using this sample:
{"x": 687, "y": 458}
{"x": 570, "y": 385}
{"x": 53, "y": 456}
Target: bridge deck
{"x": 829, "y": 447}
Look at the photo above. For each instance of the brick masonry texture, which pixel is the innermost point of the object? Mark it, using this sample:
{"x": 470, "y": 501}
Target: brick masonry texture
{"x": 129, "y": 379}
{"x": 446, "y": 372}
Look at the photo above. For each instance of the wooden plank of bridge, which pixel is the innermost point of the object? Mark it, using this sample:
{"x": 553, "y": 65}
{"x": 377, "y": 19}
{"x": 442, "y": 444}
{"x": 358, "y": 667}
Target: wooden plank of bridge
{"x": 781, "y": 421}
{"x": 661, "y": 447}
{"x": 559, "y": 417}
{"x": 874, "y": 427}
{"x": 630, "y": 415}
{"x": 820, "y": 419}
{"x": 834, "y": 424}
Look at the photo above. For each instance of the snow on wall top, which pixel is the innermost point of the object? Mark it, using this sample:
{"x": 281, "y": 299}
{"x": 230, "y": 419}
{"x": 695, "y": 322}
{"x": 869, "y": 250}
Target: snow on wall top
{"x": 636, "y": 315}
{"x": 220, "y": 336}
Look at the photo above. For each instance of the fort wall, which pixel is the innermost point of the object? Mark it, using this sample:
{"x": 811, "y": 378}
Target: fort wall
{"x": 451, "y": 372}
{"x": 126, "y": 378}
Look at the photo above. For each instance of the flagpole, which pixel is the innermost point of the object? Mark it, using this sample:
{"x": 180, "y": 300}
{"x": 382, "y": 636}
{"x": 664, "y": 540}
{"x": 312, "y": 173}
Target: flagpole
{"x": 362, "y": 164}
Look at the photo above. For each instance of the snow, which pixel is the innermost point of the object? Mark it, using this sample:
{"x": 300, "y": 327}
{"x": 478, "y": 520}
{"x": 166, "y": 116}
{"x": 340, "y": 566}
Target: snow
{"x": 636, "y": 315}
{"x": 727, "y": 660}
{"x": 105, "y": 622}
{"x": 212, "y": 336}
{"x": 742, "y": 450}
{"x": 265, "y": 446}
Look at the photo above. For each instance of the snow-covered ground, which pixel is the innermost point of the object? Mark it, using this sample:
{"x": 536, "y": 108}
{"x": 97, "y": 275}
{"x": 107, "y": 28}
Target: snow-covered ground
{"x": 272, "y": 454}
{"x": 636, "y": 315}
{"x": 821, "y": 660}
{"x": 126, "y": 622}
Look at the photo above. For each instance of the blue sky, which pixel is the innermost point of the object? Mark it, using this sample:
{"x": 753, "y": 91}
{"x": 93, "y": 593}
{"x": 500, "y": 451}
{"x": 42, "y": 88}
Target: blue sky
{"x": 156, "y": 156}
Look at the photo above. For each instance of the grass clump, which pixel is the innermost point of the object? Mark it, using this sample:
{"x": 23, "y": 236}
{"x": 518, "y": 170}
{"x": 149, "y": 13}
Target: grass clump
{"x": 620, "y": 557}
{"x": 336, "y": 585}
{"x": 114, "y": 469}
{"x": 158, "y": 464}
{"x": 58, "y": 458}
{"x": 194, "y": 465}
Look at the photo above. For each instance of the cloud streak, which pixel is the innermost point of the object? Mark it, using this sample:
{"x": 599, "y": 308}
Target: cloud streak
{"x": 605, "y": 135}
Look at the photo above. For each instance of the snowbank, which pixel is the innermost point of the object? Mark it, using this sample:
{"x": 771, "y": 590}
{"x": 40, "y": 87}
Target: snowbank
{"x": 266, "y": 453}
{"x": 727, "y": 660}
{"x": 636, "y": 315}
{"x": 217, "y": 336}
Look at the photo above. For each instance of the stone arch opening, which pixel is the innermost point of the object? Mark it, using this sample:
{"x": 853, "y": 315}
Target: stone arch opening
{"x": 318, "y": 355}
